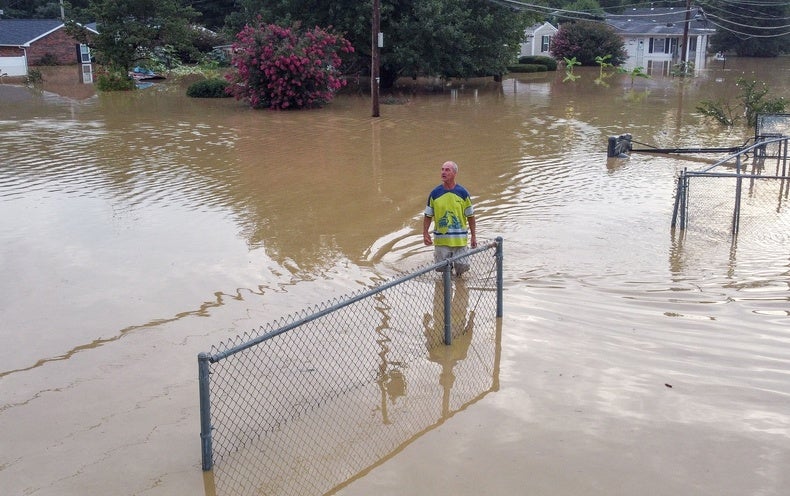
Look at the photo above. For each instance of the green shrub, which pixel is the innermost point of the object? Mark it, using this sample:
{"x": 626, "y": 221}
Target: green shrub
{"x": 549, "y": 62}
{"x": 48, "y": 59}
{"x": 527, "y": 68}
{"x": 753, "y": 102}
{"x": 586, "y": 40}
{"x": 34, "y": 77}
{"x": 208, "y": 88}
{"x": 115, "y": 81}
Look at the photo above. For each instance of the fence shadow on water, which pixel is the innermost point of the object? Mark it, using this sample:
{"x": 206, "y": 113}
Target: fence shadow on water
{"x": 310, "y": 403}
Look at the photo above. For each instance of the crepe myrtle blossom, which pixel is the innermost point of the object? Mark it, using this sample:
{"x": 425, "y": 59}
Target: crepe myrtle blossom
{"x": 284, "y": 68}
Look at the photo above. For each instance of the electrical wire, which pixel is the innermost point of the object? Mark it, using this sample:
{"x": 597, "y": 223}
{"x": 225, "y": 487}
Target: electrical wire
{"x": 727, "y": 21}
{"x": 700, "y": 9}
{"x": 749, "y": 35}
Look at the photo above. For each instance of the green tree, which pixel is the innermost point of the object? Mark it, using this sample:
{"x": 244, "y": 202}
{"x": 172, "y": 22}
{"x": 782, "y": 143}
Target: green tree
{"x": 31, "y": 9}
{"x": 459, "y": 38}
{"x": 586, "y": 40}
{"x": 753, "y": 99}
{"x": 213, "y": 12}
{"x": 452, "y": 39}
{"x": 131, "y": 30}
{"x": 585, "y": 6}
{"x": 750, "y": 29}
{"x": 43, "y": 9}
{"x": 613, "y": 6}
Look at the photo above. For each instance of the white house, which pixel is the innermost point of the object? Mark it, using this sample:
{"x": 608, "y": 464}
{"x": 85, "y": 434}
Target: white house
{"x": 537, "y": 40}
{"x": 654, "y": 37}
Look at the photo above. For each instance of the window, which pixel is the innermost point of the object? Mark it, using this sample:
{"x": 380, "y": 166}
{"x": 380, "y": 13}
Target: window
{"x": 659, "y": 45}
{"x": 87, "y": 73}
{"x": 545, "y": 43}
{"x": 85, "y": 54}
{"x": 656, "y": 45}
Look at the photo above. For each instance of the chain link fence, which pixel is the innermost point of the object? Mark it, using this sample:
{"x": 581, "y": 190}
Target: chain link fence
{"x": 745, "y": 193}
{"x": 309, "y": 403}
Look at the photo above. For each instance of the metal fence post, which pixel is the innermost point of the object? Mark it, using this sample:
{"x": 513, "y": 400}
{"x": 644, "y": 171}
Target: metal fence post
{"x": 205, "y": 411}
{"x": 448, "y": 304}
{"x": 680, "y": 201}
{"x": 736, "y": 214}
{"x": 500, "y": 277}
{"x": 684, "y": 200}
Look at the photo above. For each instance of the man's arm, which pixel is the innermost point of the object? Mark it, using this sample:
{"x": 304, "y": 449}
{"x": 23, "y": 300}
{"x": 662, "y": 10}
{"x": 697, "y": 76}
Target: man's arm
{"x": 426, "y": 233}
{"x": 472, "y": 230}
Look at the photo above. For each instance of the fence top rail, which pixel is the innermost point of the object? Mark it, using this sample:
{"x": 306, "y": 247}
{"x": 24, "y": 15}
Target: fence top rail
{"x": 349, "y": 300}
{"x": 757, "y": 144}
{"x": 730, "y": 174}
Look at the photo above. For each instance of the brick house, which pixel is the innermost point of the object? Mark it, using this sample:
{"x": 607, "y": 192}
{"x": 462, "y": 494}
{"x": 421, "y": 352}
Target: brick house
{"x": 30, "y": 42}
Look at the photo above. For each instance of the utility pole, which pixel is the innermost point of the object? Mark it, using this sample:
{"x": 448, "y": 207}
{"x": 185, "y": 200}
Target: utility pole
{"x": 685, "y": 47}
{"x": 374, "y": 56}
{"x": 62, "y": 12}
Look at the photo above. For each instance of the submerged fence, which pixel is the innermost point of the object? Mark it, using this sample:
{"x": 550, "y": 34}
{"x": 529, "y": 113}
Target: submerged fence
{"x": 308, "y": 402}
{"x": 752, "y": 185}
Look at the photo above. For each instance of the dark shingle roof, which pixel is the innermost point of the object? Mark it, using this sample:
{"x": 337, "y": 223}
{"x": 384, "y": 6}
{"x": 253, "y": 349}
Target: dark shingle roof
{"x": 18, "y": 32}
{"x": 658, "y": 21}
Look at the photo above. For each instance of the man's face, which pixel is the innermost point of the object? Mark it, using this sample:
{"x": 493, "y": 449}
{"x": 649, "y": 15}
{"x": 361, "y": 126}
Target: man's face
{"x": 448, "y": 174}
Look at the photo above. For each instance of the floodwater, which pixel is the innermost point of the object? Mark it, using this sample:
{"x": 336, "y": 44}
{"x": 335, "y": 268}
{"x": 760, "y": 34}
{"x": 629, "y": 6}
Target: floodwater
{"x": 138, "y": 229}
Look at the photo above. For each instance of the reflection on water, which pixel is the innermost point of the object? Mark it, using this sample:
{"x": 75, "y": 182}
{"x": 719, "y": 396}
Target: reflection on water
{"x": 138, "y": 227}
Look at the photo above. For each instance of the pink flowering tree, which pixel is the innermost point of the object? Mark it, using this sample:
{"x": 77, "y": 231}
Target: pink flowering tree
{"x": 282, "y": 68}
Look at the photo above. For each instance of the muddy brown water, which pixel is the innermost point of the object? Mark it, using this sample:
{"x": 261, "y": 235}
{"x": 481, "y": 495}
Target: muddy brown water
{"x": 138, "y": 229}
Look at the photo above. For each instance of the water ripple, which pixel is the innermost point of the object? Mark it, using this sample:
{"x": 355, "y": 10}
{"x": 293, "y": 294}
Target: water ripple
{"x": 138, "y": 166}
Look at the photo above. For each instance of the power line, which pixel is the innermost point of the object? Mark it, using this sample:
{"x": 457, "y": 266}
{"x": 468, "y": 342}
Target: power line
{"x": 740, "y": 10}
{"x": 652, "y": 15}
{"x": 749, "y": 35}
{"x": 708, "y": 15}
{"x": 591, "y": 16}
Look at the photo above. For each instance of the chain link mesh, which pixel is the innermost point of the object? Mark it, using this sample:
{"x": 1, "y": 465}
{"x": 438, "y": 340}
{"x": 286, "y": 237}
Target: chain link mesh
{"x": 764, "y": 207}
{"x": 306, "y": 410}
{"x": 742, "y": 199}
{"x": 772, "y": 125}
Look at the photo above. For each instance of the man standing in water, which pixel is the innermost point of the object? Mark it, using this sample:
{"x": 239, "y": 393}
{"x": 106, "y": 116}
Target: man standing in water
{"x": 450, "y": 208}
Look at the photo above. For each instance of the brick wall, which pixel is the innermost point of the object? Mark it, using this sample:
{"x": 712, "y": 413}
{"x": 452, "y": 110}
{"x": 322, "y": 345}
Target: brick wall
{"x": 58, "y": 44}
{"x": 6, "y": 51}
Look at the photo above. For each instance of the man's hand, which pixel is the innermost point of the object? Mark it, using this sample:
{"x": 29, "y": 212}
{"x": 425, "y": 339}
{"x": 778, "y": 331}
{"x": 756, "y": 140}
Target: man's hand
{"x": 426, "y": 231}
{"x": 473, "y": 230}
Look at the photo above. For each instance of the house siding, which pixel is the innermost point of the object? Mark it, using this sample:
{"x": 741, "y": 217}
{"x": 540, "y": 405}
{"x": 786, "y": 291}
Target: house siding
{"x": 534, "y": 38}
{"x": 645, "y": 50}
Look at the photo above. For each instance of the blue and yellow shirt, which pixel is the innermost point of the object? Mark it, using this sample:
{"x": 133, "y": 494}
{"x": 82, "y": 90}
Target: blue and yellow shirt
{"x": 449, "y": 209}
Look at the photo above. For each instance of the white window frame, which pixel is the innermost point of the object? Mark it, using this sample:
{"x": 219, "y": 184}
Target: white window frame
{"x": 545, "y": 43}
{"x": 85, "y": 54}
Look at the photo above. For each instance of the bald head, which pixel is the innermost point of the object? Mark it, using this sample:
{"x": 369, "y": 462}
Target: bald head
{"x": 449, "y": 170}
{"x": 452, "y": 164}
